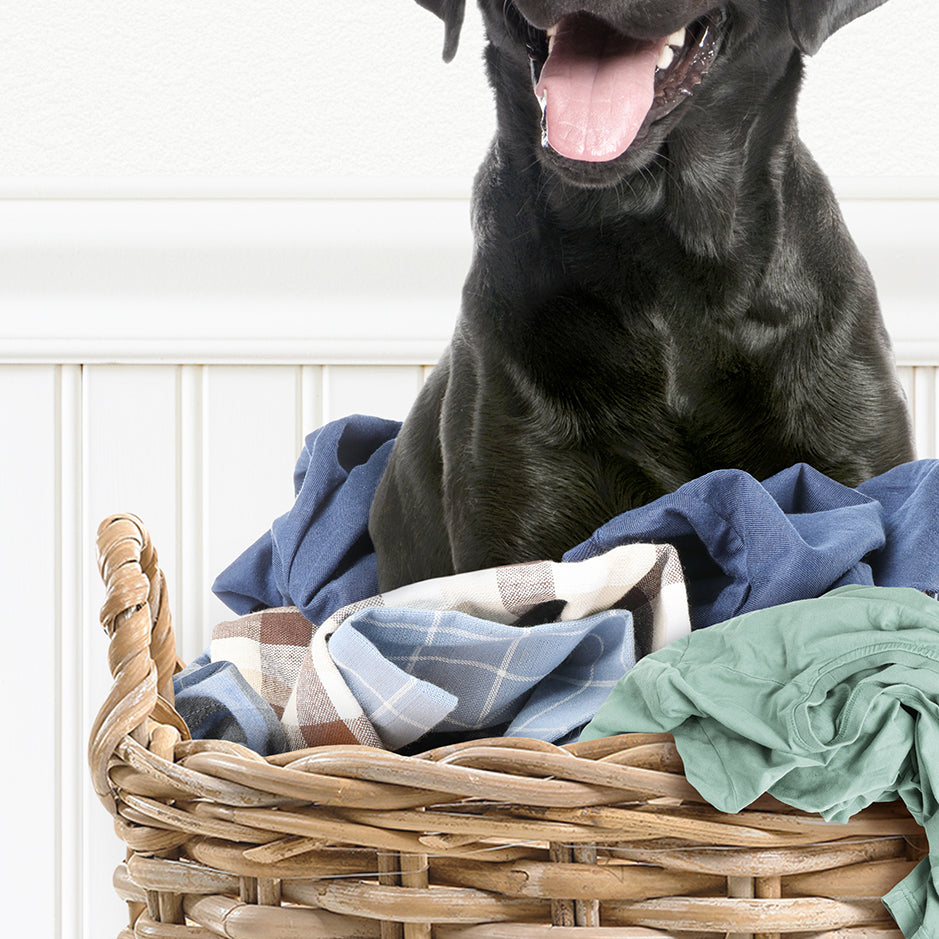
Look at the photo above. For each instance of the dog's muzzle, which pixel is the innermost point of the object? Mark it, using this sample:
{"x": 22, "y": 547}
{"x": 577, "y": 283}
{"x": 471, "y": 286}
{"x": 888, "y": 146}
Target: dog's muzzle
{"x": 598, "y": 88}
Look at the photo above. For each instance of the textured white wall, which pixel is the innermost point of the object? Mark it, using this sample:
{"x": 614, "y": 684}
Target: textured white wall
{"x": 296, "y": 89}
{"x": 116, "y": 97}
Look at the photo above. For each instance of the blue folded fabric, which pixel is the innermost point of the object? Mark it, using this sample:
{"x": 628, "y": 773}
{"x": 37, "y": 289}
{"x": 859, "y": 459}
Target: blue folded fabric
{"x": 318, "y": 556}
{"x": 909, "y": 500}
{"x": 746, "y": 545}
{"x": 414, "y": 671}
{"x": 217, "y": 703}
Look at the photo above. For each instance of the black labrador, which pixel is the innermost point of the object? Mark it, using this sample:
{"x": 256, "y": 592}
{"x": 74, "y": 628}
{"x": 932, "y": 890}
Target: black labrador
{"x": 663, "y": 285}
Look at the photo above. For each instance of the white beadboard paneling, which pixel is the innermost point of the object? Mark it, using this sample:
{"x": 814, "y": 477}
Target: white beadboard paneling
{"x": 130, "y": 460}
{"x": 131, "y": 455}
{"x": 229, "y": 430}
{"x": 250, "y": 451}
{"x": 72, "y": 640}
{"x": 309, "y": 401}
{"x": 385, "y": 391}
{"x": 191, "y": 495}
{"x": 923, "y": 405}
{"x": 905, "y": 374}
{"x": 30, "y": 697}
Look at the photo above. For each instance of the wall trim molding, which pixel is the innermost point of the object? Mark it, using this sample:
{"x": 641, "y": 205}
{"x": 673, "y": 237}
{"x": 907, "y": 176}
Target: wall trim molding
{"x": 283, "y": 351}
{"x": 141, "y": 350}
{"x": 356, "y": 188}
{"x": 267, "y": 278}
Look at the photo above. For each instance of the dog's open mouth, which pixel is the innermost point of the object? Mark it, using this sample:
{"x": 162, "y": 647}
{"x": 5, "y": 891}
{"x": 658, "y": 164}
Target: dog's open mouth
{"x": 599, "y": 88}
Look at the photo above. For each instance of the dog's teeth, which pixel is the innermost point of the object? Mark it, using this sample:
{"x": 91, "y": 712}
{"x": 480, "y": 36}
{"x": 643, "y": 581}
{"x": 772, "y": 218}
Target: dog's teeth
{"x": 552, "y": 34}
{"x": 677, "y": 39}
{"x": 666, "y": 58}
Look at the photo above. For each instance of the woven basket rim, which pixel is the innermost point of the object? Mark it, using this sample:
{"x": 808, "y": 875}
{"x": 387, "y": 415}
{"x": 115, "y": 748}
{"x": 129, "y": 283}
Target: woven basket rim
{"x": 514, "y": 813}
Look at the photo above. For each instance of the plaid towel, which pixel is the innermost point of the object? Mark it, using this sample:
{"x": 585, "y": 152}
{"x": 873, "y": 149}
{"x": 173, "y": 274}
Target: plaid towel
{"x": 529, "y": 649}
{"x": 217, "y": 702}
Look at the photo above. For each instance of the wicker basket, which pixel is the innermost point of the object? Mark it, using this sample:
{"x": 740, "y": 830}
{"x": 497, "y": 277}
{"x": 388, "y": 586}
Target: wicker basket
{"x": 497, "y": 839}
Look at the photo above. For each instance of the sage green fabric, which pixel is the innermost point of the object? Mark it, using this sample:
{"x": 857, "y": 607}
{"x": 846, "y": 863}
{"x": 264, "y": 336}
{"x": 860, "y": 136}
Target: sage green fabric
{"x": 828, "y": 704}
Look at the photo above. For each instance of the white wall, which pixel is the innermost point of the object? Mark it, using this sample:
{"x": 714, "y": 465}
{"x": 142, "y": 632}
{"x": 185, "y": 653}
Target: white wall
{"x": 143, "y": 89}
{"x": 222, "y": 224}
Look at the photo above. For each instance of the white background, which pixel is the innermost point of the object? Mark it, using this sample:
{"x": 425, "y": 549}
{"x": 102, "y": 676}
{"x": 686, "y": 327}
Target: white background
{"x": 224, "y": 223}
{"x": 163, "y": 89}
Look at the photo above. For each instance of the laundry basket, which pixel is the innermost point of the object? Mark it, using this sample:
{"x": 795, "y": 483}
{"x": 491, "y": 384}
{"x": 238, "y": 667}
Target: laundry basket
{"x": 495, "y": 839}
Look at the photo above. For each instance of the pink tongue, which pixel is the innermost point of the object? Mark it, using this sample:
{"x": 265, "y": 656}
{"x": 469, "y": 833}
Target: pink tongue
{"x": 597, "y": 87}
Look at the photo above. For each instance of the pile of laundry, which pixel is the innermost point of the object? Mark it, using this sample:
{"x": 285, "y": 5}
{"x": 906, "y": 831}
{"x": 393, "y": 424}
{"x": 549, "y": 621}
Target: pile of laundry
{"x": 527, "y": 650}
{"x": 786, "y": 632}
{"x": 828, "y": 704}
{"x": 318, "y": 656}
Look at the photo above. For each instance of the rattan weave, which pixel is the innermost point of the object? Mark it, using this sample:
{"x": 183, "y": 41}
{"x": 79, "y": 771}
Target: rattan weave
{"x": 495, "y": 839}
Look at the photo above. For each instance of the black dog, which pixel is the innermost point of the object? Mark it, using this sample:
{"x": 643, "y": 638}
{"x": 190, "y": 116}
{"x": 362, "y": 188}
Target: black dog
{"x": 662, "y": 286}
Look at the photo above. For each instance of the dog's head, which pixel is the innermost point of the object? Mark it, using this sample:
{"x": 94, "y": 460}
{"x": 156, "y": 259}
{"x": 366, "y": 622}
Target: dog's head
{"x": 613, "y": 77}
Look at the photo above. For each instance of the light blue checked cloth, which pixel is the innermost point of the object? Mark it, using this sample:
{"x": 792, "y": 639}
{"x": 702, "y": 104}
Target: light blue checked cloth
{"x": 527, "y": 650}
{"x": 414, "y": 671}
{"x": 218, "y": 703}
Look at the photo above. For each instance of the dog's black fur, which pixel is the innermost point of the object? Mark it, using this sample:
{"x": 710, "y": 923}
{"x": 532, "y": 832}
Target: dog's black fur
{"x": 696, "y": 303}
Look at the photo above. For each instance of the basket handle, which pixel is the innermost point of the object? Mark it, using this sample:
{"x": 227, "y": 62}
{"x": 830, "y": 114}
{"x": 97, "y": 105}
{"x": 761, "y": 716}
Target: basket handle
{"x": 142, "y": 654}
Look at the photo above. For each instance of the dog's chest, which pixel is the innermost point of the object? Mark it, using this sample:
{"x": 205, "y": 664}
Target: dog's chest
{"x": 625, "y": 355}
{"x": 621, "y": 339}
{"x": 674, "y": 393}
{"x": 683, "y": 370}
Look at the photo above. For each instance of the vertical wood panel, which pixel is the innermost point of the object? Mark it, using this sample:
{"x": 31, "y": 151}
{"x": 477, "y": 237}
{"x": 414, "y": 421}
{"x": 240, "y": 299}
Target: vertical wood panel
{"x": 205, "y": 455}
{"x": 310, "y": 407}
{"x": 190, "y": 562}
{"x": 30, "y": 694}
{"x": 383, "y": 390}
{"x": 72, "y": 636}
{"x": 130, "y": 464}
{"x": 924, "y": 410}
{"x": 251, "y": 449}
{"x": 905, "y": 374}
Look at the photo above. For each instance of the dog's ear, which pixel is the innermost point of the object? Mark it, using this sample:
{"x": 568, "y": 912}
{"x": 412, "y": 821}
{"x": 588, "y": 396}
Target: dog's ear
{"x": 451, "y": 12}
{"x": 811, "y": 22}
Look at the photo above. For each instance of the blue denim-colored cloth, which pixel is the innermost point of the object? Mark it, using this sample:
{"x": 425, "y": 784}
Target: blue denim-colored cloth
{"x": 746, "y": 545}
{"x": 217, "y": 703}
{"x": 318, "y": 556}
{"x": 416, "y": 671}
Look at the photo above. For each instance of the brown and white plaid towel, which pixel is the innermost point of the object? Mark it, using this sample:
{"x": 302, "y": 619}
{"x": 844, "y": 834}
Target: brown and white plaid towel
{"x": 388, "y": 669}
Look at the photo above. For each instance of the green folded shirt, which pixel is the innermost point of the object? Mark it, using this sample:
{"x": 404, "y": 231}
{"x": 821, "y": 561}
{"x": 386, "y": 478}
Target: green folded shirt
{"x": 827, "y": 704}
